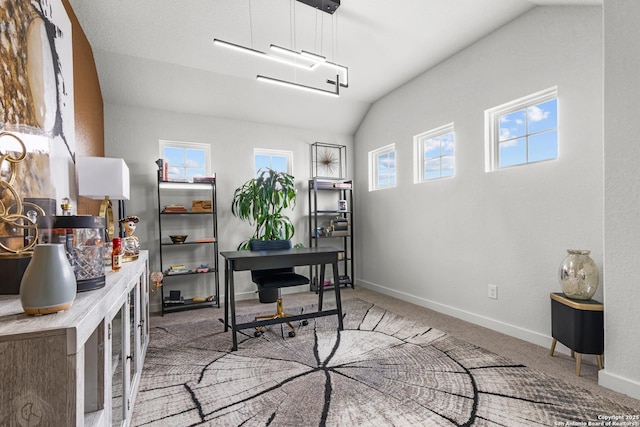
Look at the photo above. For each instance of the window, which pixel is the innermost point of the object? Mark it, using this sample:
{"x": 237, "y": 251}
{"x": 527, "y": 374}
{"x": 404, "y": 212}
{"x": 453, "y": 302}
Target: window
{"x": 434, "y": 154}
{"x": 186, "y": 159}
{"x": 523, "y": 131}
{"x": 277, "y": 160}
{"x": 382, "y": 168}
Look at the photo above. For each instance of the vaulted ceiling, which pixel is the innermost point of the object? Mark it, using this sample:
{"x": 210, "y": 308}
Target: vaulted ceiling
{"x": 160, "y": 53}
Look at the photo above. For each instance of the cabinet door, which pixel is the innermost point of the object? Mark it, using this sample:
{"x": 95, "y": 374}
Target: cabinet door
{"x": 120, "y": 366}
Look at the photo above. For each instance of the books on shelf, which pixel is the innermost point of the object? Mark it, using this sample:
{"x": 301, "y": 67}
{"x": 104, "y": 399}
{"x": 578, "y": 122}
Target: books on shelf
{"x": 204, "y": 179}
{"x": 343, "y": 280}
{"x": 206, "y": 240}
{"x": 328, "y": 183}
{"x": 182, "y": 269}
{"x": 177, "y": 269}
{"x": 343, "y": 184}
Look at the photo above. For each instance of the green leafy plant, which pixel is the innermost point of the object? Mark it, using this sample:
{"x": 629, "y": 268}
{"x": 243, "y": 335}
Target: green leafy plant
{"x": 261, "y": 201}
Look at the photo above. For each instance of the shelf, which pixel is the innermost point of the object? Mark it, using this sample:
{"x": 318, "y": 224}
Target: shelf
{"x": 177, "y": 185}
{"x": 176, "y": 194}
{"x": 186, "y": 243}
{"x": 325, "y": 197}
{"x": 188, "y": 273}
{"x": 188, "y": 304}
{"x": 330, "y": 212}
{"x": 186, "y": 213}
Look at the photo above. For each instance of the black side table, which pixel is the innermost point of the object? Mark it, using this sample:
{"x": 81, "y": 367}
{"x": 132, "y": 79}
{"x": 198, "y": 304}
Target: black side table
{"x": 579, "y": 325}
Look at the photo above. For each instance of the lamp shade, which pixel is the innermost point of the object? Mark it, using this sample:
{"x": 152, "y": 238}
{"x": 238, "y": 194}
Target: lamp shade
{"x": 100, "y": 177}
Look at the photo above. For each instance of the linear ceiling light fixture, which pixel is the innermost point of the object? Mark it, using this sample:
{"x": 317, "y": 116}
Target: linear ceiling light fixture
{"x": 303, "y": 59}
{"x": 304, "y": 56}
{"x": 335, "y": 93}
{"x": 308, "y": 64}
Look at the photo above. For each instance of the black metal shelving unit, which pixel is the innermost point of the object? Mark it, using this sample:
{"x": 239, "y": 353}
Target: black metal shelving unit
{"x": 200, "y": 248}
{"x": 324, "y": 214}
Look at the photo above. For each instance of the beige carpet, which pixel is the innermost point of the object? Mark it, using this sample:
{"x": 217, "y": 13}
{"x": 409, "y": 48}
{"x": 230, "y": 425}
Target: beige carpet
{"x": 417, "y": 368}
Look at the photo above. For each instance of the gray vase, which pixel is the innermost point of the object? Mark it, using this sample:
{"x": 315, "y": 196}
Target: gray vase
{"x": 579, "y": 275}
{"x": 48, "y": 284}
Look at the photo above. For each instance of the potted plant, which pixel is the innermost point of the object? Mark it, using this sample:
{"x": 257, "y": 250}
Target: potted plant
{"x": 261, "y": 201}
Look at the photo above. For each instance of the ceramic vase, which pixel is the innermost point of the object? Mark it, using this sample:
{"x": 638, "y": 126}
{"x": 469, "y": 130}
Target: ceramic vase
{"x": 48, "y": 284}
{"x": 579, "y": 276}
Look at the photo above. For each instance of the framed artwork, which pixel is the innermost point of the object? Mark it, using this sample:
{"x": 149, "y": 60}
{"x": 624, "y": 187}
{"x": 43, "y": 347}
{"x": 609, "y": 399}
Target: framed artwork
{"x": 36, "y": 102}
{"x": 328, "y": 160}
{"x": 342, "y": 205}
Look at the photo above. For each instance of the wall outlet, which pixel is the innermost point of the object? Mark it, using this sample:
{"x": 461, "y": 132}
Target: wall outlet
{"x": 493, "y": 291}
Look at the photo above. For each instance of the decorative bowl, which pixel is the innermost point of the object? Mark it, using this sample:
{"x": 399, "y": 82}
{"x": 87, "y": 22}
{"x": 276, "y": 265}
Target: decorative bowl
{"x": 178, "y": 238}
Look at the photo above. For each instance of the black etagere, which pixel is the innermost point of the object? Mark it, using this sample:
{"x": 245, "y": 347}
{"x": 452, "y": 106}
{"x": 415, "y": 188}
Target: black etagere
{"x": 331, "y": 224}
{"x": 188, "y": 267}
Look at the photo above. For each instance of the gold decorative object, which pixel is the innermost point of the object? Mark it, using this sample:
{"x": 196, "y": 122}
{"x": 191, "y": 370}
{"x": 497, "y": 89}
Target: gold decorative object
{"x": 156, "y": 277}
{"x": 11, "y": 205}
{"x": 65, "y": 206}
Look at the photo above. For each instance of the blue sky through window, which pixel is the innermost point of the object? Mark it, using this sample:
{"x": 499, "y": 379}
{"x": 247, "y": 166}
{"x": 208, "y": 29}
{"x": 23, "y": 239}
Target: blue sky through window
{"x": 185, "y": 163}
{"x": 387, "y": 170}
{"x": 529, "y": 134}
{"x": 439, "y": 156}
{"x": 276, "y": 162}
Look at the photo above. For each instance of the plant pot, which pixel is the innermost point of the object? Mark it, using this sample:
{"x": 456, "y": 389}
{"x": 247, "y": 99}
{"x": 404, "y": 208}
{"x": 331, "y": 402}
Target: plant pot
{"x": 579, "y": 275}
{"x": 268, "y": 295}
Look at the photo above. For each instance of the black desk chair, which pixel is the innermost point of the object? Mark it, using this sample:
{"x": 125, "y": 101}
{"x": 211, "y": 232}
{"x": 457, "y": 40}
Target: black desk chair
{"x": 275, "y": 278}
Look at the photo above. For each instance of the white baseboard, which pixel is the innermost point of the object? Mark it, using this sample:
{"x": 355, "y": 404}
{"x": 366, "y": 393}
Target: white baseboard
{"x": 487, "y": 322}
{"x": 605, "y": 379}
{"x": 619, "y": 384}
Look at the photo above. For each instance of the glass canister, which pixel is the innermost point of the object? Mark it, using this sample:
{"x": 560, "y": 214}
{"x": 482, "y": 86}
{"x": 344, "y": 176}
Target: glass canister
{"x": 83, "y": 237}
{"x": 579, "y": 275}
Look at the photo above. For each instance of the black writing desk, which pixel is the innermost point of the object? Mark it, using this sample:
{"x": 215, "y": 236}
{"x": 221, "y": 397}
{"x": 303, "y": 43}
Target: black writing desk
{"x": 261, "y": 260}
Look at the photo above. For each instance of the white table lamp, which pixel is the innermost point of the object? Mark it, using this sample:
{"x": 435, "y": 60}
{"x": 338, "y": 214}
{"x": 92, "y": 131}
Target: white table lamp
{"x": 103, "y": 178}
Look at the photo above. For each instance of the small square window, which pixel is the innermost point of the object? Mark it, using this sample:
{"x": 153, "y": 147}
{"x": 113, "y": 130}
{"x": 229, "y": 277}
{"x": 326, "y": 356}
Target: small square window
{"x": 522, "y": 131}
{"x": 186, "y": 159}
{"x": 278, "y": 160}
{"x": 434, "y": 154}
{"x": 382, "y": 168}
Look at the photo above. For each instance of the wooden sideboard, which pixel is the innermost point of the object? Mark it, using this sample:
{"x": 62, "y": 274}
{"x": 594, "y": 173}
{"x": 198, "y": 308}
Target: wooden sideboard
{"x": 81, "y": 366}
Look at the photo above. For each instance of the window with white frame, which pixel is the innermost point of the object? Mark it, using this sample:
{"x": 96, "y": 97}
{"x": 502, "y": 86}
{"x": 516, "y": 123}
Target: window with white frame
{"x": 434, "y": 154}
{"x": 186, "y": 159}
{"x": 522, "y": 131}
{"x": 278, "y": 160}
{"x": 382, "y": 168}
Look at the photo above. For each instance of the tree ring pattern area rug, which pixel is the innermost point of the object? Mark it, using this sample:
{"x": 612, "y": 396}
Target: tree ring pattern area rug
{"x": 381, "y": 370}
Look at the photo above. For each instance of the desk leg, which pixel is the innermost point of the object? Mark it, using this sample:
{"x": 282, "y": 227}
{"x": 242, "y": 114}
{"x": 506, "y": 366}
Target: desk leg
{"x": 336, "y": 279}
{"x": 226, "y": 295}
{"x": 321, "y": 287}
{"x": 232, "y": 306}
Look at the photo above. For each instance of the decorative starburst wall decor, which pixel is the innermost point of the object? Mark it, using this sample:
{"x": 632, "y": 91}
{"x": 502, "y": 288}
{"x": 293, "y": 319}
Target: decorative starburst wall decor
{"x": 328, "y": 160}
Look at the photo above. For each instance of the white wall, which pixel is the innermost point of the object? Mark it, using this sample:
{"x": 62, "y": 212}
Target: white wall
{"x": 133, "y": 134}
{"x": 439, "y": 244}
{"x": 622, "y": 195}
